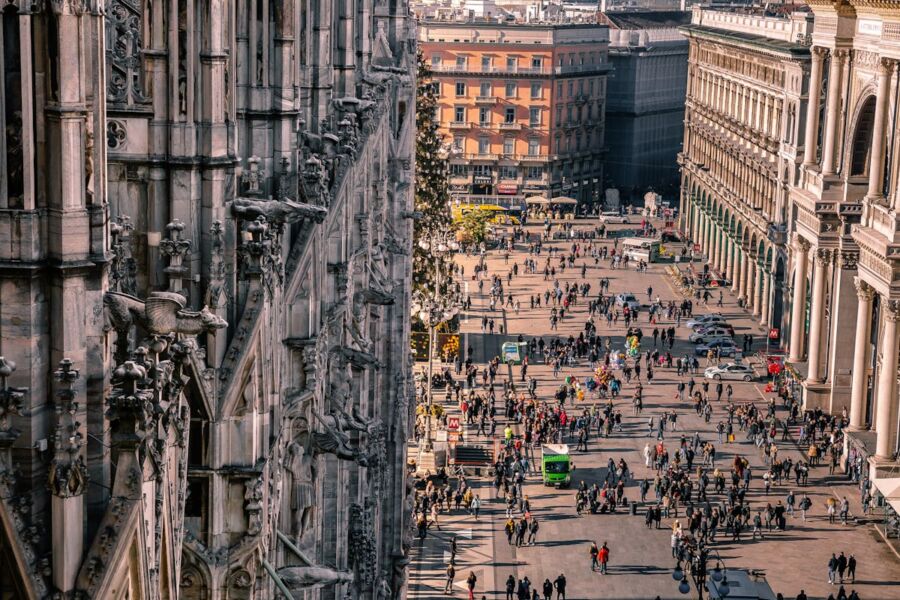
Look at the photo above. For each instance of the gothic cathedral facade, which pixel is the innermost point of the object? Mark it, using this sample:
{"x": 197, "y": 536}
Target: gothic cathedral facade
{"x": 205, "y": 262}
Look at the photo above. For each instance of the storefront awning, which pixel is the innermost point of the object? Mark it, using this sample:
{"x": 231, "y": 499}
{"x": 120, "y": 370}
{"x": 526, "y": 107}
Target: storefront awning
{"x": 564, "y": 200}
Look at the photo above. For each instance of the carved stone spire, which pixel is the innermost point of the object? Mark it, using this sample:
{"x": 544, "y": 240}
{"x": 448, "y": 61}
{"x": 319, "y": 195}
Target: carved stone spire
{"x": 175, "y": 248}
{"x": 215, "y": 293}
{"x": 68, "y": 474}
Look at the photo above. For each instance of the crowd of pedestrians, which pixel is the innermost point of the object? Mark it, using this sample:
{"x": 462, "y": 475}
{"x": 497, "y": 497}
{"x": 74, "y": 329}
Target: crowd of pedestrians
{"x": 684, "y": 479}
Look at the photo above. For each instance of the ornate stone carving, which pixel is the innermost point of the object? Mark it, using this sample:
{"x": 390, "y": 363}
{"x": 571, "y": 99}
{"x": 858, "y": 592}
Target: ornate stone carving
{"x": 123, "y": 52}
{"x": 254, "y": 177}
{"x": 122, "y": 268}
{"x": 116, "y": 135}
{"x": 216, "y": 294}
{"x": 302, "y": 502}
{"x": 175, "y": 248}
{"x": 362, "y": 553}
{"x": 824, "y": 256}
{"x": 253, "y": 498}
{"x": 262, "y": 254}
{"x": 161, "y": 314}
{"x": 300, "y": 579}
{"x": 891, "y": 310}
{"x": 68, "y": 474}
{"x": 864, "y": 291}
{"x": 849, "y": 259}
{"x": 12, "y": 399}
{"x": 277, "y": 211}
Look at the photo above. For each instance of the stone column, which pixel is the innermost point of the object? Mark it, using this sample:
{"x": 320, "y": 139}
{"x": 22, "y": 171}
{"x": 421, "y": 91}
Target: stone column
{"x": 882, "y": 100}
{"x": 887, "y": 381}
{"x": 864, "y": 294}
{"x": 798, "y": 302}
{"x": 754, "y": 266}
{"x": 742, "y": 275}
{"x": 717, "y": 245}
{"x": 736, "y": 269}
{"x": 764, "y": 299}
{"x": 832, "y": 111}
{"x": 729, "y": 260}
{"x": 811, "y": 131}
{"x": 817, "y": 315}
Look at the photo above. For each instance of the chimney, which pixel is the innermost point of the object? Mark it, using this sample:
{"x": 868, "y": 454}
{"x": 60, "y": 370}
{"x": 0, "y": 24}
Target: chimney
{"x": 683, "y": 5}
{"x": 603, "y": 6}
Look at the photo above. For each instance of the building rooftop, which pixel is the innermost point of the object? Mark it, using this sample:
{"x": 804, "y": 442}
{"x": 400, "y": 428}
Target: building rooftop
{"x": 646, "y": 19}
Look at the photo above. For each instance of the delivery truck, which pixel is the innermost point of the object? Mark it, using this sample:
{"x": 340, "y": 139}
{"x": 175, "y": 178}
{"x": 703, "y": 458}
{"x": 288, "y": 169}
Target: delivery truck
{"x": 556, "y": 467}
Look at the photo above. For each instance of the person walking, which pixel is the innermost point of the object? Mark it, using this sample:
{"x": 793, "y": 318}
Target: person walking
{"x": 603, "y": 556}
{"x": 560, "y": 585}
{"x": 851, "y": 569}
{"x": 533, "y": 531}
{"x": 595, "y": 552}
{"x": 451, "y": 573}
{"x": 832, "y": 568}
{"x": 471, "y": 580}
{"x": 510, "y": 588}
{"x": 841, "y": 566}
{"x": 547, "y": 588}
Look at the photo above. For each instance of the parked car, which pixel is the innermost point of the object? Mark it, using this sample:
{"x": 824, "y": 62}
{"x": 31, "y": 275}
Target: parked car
{"x": 705, "y": 320}
{"x": 701, "y": 337}
{"x": 627, "y": 299}
{"x": 739, "y": 372}
{"x": 726, "y": 348}
{"x": 612, "y": 217}
{"x": 706, "y": 327}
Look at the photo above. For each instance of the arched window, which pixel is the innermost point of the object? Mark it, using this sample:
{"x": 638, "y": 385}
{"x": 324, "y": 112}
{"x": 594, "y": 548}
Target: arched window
{"x": 862, "y": 139}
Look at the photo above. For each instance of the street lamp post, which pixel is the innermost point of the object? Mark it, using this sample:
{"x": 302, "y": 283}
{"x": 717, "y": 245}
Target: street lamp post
{"x": 695, "y": 566}
{"x": 433, "y": 310}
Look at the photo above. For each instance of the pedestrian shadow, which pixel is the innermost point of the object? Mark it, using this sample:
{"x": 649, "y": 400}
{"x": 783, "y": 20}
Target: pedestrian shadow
{"x": 638, "y": 569}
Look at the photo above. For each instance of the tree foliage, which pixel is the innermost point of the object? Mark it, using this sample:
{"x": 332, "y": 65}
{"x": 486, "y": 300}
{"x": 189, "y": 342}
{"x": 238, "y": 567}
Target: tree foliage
{"x": 432, "y": 197}
{"x": 473, "y": 226}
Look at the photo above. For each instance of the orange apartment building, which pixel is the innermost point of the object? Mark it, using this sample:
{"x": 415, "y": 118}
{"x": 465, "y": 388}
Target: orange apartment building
{"x": 522, "y": 106}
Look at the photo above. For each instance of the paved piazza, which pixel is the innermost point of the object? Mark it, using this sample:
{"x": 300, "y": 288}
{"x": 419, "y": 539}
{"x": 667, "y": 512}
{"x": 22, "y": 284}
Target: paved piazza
{"x": 641, "y": 562}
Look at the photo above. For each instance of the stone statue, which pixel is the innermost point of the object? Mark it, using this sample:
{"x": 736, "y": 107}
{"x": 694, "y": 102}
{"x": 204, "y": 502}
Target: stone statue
{"x": 161, "y": 314}
{"x": 335, "y": 441}
{"x": 277, "y": 211}
{"x": 253, "y": 494}
{"x": 300, "y": 465}
{"x": 383, "y": 588}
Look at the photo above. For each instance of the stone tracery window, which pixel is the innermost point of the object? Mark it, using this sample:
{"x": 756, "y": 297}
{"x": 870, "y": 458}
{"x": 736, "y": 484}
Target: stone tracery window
{"x": 11, "y": 147}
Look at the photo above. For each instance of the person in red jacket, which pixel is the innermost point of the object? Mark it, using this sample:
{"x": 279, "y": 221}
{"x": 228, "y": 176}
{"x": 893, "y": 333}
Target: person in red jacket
{"x": 603, "y": 557}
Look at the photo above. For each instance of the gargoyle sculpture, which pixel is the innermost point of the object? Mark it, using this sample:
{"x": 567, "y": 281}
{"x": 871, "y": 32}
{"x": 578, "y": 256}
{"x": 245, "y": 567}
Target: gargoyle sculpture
{"x": 299, "y": 579}
{"x": 277, "y": 211}
{"x": 373, "y": 296}
{"x": 160, "y": 314}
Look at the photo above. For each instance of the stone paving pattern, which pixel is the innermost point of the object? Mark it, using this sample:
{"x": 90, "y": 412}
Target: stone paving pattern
{"x": 641, "y": 562}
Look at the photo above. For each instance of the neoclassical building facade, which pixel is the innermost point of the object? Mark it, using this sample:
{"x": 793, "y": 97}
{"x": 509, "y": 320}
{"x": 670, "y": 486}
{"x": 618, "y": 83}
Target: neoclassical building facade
{"x": 746, "y": 94}
{"x": 205, "y": 215}
{"x": 846, "y": 242}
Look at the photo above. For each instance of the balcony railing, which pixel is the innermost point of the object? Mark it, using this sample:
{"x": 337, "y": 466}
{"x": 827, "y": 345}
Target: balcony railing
{"x": 485, "y": 99}
{"x": 490, "y": 70}
{"x": 510, "y": 126}
{"x": 460, "y": 125}
{"x": 480, "y": 156}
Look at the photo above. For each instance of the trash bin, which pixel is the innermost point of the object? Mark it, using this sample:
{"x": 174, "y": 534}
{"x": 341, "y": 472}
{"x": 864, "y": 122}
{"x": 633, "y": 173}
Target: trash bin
{"x": 633, "y": 509}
